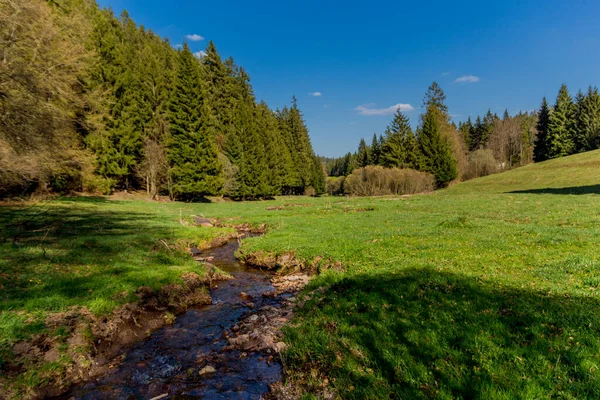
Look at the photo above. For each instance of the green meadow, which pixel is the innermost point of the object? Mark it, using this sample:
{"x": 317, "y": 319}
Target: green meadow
{"x": 488, "y": 289}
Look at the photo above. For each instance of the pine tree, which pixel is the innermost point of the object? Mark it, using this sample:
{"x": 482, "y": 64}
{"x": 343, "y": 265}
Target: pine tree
{"x": 436, "y": 97}
{"x": 192, "y": 154}
{"x": 560, "y": 127}
{"x": 588, "y": 133}
{"x": 318, "y": 181}
{"x": 466, "y": 129}
{"x": 435, "y": 148}
{"x": 362, "y": 157}
{"x": 399, "y": 147}
{"x": 375, "y": 150}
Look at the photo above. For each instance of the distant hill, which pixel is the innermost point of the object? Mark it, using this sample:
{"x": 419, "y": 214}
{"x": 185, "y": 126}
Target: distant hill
{"x": 576, "y": 174}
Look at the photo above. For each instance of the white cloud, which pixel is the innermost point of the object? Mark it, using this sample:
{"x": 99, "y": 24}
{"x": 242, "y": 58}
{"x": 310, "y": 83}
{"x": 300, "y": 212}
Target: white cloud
{"x": 367, "y": 109}
{"x": 316, "y": 94}
{"x": 467, "y": 79}
{"x": 194, "y": 37}
{"x": 445, "y": 73}
{"x": 178, "y": 46}
{"x": 200, "y": 54}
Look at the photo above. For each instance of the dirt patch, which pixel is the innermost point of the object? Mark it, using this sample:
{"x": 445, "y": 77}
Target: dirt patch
{"x": 358, "y": 209}
{"x": 95, "y": 343}
{"x": 288, "y": 262}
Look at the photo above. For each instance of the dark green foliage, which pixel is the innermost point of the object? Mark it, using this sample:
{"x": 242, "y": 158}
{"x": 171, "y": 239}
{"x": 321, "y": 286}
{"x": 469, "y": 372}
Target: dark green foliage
{"x": 400, "y": 146}
{"x": 436, "y": 97}
{"x": 435, "y": 148}
{"x": 376, "y": 145}
{"x": 588, "y": 121}
{"x": 540, "y": 151}
{"x": 192, "y": 153}
{"x": 560, "y": 126}
{"x": 363, "y": 157}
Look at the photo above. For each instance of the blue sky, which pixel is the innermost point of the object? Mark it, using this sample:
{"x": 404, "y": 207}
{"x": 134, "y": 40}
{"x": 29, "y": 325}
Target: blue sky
{"x": 366, "y": 58}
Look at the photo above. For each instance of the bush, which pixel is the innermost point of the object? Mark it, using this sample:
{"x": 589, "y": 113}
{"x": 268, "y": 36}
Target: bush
{"x": 481, "y": 163}
{"x": 380, "y": 181}
{"x": 335, "y": 185}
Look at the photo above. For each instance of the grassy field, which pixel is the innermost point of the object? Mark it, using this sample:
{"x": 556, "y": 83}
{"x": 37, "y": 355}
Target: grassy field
{"x": 489, "y": 289}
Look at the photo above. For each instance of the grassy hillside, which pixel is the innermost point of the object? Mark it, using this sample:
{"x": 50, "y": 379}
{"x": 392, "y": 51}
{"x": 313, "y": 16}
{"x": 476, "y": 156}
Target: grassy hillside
{"x": 577, "y": 174}
{"x": 489, "y": 289}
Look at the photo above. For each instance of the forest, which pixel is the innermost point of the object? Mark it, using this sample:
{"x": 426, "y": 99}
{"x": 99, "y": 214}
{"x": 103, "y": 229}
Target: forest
{"x": 470, "y": 149}
{"x": 93, "y": 102}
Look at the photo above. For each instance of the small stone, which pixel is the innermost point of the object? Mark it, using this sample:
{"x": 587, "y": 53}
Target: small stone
{"x": 253, "y": 318}
{"x": 279, "y": 347}
{"x": 235, "y": 328}
{"x": 245, "y": 296}
{"x": 207, "y": 370}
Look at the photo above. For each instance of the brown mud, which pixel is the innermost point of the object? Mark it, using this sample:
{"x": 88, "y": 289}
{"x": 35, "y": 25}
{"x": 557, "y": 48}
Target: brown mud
{"x": 226, "y": 350}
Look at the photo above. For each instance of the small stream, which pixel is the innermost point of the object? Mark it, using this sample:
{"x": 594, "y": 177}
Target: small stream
{"x": 169, "y": 361}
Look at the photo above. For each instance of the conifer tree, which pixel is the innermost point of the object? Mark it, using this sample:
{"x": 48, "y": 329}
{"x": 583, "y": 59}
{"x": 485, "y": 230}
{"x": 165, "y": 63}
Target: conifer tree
{"x": 436, "y": 150}
{"x": 376, "y": 150}
{"x": 192, "y": 153}
{"x": 588, "y": 133}
{"x": 400, "y": 148}
{"x": 540, "y": 149}
{"x": 466, "y": 129}
{"x": 362, "y": 158}
{"x": 436, "y": 97}
{"x": 560, "y": 127}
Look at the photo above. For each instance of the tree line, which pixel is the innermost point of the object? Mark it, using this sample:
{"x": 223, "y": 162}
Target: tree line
{"x": 435, "y": 147}
{"x": 91, "y": 101}
{"x": 485, "y": 145}
{"x": 571, "y": 126}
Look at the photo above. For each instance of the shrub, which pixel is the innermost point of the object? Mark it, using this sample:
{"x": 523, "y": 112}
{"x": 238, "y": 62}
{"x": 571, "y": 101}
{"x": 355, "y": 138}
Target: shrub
{"x": 380, "y": 181}
{"x": 335, "y": 185}
{"x": 481, "y": 163}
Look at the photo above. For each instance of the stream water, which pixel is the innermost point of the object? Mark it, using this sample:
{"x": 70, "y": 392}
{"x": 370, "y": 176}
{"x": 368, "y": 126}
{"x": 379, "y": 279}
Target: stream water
{"x": 169, "y": 361}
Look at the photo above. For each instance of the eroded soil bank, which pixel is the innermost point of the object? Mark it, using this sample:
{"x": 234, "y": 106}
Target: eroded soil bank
{"x": 226, "y": 350}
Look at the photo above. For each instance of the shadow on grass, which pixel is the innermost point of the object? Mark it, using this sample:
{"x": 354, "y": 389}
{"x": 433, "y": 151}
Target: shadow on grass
{"x": 427, "y": 334}
{"x": 53, "y": 257}
{"x": 591, "y": 189}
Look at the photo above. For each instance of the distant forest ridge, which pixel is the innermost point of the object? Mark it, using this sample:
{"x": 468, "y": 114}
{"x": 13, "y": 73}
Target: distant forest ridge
{"x": 93, "y": 102}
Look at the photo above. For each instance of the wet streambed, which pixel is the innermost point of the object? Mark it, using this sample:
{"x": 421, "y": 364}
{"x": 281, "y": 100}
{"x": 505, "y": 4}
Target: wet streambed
{"x": 169, "y": 361}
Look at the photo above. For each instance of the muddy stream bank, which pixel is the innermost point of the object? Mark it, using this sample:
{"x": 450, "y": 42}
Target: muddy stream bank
{"x": 226, "y": 350}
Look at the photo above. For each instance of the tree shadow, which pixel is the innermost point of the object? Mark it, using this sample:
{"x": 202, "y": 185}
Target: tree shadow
{"x": 590, "y": 189}
{"x": 429, "y": 334}
{"x": 56, "y": 256}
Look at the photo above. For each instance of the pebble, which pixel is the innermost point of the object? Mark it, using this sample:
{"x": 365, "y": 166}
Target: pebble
{"x": 209, "y": 369}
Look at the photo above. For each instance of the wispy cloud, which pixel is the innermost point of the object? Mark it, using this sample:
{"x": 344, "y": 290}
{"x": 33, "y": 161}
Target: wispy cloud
{"x": 446, "y": 73}
{"x": 200, "y": 54}
{"x": 467, "y": 79}
{"x": 178, "y": 46}
{"x": 367, "y": 109}
{"x": 194, "y": 37}
{"x": 316, "y": 94}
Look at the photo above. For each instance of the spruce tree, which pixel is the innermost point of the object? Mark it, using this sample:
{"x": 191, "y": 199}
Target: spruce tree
{"x": 399, "y": 147}
{"x": 560, "y": 127}
{"x": 588, "y": 134}
{"x": 436, "y": 150}
{"x": 540, "y": 149}
{"x": 436, "y": 97}
{"x": 466, "y": 128}
{"x": 362, "y": 157}
{"x": 195, "y": 169}
{"x": 375, "y": 150}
